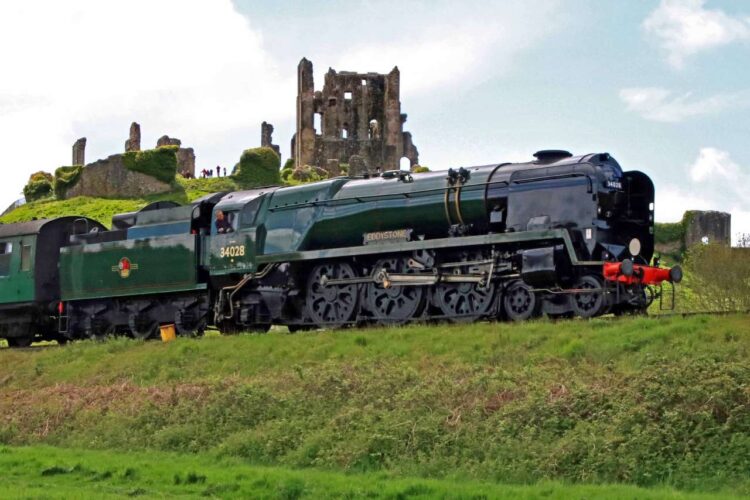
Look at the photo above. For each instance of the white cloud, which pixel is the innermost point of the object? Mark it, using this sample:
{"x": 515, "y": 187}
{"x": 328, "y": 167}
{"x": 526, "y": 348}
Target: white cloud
{"x": 662, "y": 105}
{"x": 192, "y": 69}
{"x": 685, "y": 27}
{"x": 464, "y": 43}
{"x": 716, "y": 183}
{"x": 715, "y": 164}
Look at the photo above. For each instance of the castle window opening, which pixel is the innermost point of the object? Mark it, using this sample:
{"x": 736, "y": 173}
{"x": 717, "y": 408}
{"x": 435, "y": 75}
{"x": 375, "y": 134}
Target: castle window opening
{"x": 332, "y": 101}
{"x": 317, "y": 123}
{"x": 345, "y": 132}
{"x": 374, "y": 129}
{"x": 347, "y": 96}
{"x": 405, "y": 163}
{"x": 364, "y": 82}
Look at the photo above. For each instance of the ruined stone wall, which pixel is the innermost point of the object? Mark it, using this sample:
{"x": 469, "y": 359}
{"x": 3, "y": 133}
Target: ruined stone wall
{"x": 79, "y": 152}
{"x": 360, "y": 115}
{"x": 185, "y": 156}
{"x": 708, "y": 227}
{"x": 134, "y": 138}
{"x": 109, "y": 178}
{"x": 266, "y": 138}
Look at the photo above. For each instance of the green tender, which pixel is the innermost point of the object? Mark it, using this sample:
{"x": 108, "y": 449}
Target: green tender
{"x": 157, "y": 265}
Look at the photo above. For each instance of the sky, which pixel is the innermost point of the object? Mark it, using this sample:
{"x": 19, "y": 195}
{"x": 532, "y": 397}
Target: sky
{"x": 663, "y": 86}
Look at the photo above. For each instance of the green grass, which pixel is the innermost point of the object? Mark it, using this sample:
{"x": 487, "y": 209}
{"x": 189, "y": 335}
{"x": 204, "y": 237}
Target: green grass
{"x": 640, "y": 401}
{"x": 47, "y": 472}
{"x": 102, "y": 209}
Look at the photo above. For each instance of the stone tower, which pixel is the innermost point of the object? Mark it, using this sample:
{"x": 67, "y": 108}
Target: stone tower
{"x": 708, "y": 227}
{"x": 79, "y": 152}
{"x": 355, "y": 115}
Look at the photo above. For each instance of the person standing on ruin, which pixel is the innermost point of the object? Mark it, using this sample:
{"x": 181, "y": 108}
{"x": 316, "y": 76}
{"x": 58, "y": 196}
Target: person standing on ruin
{"x": 225, "y": 171}
{"x": 218, "y": 171}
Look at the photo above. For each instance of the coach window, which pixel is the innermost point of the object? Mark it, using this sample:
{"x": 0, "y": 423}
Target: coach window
{"x": 6, "y": 252}
{"x": 25, "y": 257}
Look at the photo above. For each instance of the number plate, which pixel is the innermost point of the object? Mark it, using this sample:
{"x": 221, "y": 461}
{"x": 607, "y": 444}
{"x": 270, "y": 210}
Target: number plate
{"x": 232, "y": 251}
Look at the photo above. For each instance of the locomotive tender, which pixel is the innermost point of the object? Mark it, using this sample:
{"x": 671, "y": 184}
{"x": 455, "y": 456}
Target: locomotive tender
{"x": 561, "y": 235}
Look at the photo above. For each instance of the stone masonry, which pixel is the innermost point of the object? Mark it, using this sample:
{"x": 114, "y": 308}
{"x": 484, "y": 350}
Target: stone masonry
{"x": 185, "y": 156}
{"x": 708, "y": 227}
{"x": 134, "y": 139}
{"x": 109, "y": 178}
{"x": 359, "y": 115}
{"x": 266, "y": 137}
{"x": 79, "y": 152}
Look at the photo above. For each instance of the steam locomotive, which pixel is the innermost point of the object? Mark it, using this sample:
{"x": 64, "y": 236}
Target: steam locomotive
{"x": 562, "y": 235}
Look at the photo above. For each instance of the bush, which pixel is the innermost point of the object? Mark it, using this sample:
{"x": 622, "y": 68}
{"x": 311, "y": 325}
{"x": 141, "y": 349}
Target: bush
{"x": 303, "y": 175}
{"x": 66, "y": 178}
{"x": 420, "y": 169}
{"x": 159, "y": 163}
{"x": 40, "y": 186}
{"x": 289, "y": 164}
{"x": 258, "y": 167}
{"x": 719, "y": 277}
{"x": 669, "y": 232}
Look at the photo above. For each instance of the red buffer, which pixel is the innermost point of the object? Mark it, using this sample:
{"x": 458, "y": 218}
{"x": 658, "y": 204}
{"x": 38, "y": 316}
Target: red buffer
{"x": 628, "y": 273}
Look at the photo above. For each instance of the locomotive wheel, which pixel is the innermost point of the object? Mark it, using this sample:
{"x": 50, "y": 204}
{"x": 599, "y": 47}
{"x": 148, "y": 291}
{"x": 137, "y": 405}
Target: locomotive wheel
{"x": 588, "y": 304}
{"x": 101, "y": 333}
{"x": 394, "y": 305}
{"x": 228, "y": 327}
{"x": 299, "y": 328}
{"x": 142, "y": 327}
{"x": 464, "y": 302}
{"x": 519, "y": 301}
{"x": 19, "y": 341}
{"x": 331, "y": 306}
{"x": 188, "y": 326}
{"x": 258, "y": 328}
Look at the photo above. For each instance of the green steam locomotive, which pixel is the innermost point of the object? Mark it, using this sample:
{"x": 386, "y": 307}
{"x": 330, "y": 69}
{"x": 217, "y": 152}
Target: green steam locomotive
{"x": 561, "y": 235}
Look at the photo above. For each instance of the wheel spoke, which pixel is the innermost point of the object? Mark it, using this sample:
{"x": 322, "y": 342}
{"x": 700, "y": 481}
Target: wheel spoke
{"x": 398, "y": 304}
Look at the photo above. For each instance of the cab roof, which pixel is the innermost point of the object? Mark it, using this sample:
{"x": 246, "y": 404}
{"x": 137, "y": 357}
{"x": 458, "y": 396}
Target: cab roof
{"x": 238, "y": 199}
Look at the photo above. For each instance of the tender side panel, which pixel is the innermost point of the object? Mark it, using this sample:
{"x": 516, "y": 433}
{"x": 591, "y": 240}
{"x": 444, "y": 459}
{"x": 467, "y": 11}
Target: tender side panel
{"x": 17, "y": 268}
{"x": 129, "y": 267}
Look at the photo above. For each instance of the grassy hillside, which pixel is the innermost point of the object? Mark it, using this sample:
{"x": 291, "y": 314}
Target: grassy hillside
{"x": 638, "y": 401}
{"x": 46, "y": 472}
{"x": 102, "y": 209}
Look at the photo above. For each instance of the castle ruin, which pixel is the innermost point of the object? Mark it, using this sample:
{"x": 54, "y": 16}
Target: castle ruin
{"x": 355, "y": 115}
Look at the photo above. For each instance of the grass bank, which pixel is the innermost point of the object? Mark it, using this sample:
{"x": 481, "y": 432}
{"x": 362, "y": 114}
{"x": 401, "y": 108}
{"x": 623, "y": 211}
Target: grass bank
{"x": 640, "y": 401}
{"x": 47, "y": 472}
{"x": 102, "y": 209}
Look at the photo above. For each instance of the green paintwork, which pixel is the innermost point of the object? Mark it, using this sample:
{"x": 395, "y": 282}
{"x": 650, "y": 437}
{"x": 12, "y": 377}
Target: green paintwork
{"x": 556, "y": 236}
{"x": 232, "y": 263}
{"x": 335, "y": 214}
{"x": 164, "y": 264}
{"x": 18, "y": 285}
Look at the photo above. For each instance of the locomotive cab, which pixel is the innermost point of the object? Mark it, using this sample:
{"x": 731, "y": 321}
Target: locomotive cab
{"x": 237, "y": 231}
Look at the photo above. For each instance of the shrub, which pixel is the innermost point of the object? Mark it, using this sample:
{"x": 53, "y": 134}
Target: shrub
{"x": 66, "y": 178}
{"x": 288, "y": 165}
{"x": 719, "y": 277}
{"x": 669, "y": 232}
{"x": 420, "y": 169}
{"x": 303, "y": 175}
{"x": 159, "y": 163}
{"x": 40, "y": 186}
{"x": 258, "y": 167}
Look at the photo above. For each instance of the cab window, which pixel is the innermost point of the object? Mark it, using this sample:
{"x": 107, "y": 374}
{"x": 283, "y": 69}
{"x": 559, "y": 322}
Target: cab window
{"x": 25, "y": 257}
{"x": 6, "y": 252}
{"x": 224, "y": 222}
{"x": 249, "y": 212}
